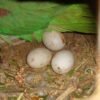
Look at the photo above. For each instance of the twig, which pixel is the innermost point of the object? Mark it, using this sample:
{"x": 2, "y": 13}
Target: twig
{"x": 66, "y": 93}
{"x": 20, "y": 96}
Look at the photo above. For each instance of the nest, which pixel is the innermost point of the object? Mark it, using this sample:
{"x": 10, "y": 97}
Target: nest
{"x": 18, "y": 80}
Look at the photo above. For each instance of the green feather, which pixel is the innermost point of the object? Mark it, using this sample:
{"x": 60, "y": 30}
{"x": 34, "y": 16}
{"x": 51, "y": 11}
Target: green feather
{"x": 29, "y": 20}
{"x": 74, "y": 17}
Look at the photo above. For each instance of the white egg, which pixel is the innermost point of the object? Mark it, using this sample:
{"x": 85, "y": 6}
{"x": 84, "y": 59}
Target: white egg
{"x": 62, "y": 61}
{"x": 39, "y": 58}
{"x": 54, "y": 40}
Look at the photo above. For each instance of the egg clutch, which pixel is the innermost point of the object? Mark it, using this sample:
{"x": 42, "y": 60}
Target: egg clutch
{"x": 61, "y": 61}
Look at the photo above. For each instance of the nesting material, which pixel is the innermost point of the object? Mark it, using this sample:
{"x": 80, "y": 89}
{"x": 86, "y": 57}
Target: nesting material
{"x": 51, "y": 84}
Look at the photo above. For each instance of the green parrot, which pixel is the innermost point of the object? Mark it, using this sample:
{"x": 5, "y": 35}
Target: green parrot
{"x": 29, "y": 20}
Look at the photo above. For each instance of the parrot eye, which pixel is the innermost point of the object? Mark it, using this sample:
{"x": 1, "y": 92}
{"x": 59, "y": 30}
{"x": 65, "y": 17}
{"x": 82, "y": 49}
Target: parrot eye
{"x": 3, "y": 12}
